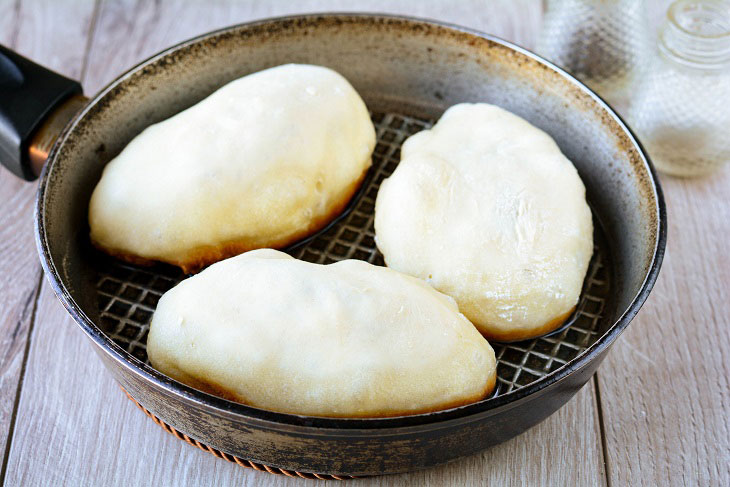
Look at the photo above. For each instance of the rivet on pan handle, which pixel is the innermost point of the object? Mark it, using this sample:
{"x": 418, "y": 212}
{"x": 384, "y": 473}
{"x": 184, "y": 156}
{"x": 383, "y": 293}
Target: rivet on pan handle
{"x": 233, "y": 459}
{"x": 46, "y": 134}
{"x": 32, "y": 95}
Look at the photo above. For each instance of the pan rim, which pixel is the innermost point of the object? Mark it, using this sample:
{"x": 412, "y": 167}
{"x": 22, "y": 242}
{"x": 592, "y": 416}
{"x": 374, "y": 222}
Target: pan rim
{"x": 278, "y": 420}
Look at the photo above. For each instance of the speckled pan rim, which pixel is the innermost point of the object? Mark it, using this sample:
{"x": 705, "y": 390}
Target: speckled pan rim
{"x": 280, "y": 421}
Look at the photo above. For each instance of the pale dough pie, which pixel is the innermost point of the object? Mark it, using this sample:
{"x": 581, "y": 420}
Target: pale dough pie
{"x": 348, "y": 339}
{"x": 486, "y": 208}
{"x": 262, "y": 162}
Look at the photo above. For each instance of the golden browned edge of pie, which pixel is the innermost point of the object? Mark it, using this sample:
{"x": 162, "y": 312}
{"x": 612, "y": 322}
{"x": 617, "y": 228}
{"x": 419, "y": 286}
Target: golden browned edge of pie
{"x": 221, "y": 391}
{"x": 204, "y": 256}
{"x": 518, "y": 335}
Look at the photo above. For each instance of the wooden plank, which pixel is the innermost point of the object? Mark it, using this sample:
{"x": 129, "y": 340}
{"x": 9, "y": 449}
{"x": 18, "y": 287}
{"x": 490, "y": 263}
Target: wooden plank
{"x": 152, "y": 26}
{"x": 54, "y": 34}
{"x": 77, "y": 427}
{"x": 17, "y": 289}
{"x": 665, "y": 387}
{"x": 16, "y": 240}
{"x": 28, "y": 29}
{"x": 9, "y": 14}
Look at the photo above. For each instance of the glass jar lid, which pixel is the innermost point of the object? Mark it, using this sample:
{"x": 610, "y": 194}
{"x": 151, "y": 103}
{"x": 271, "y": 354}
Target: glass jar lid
{"x": 696, "y": 34}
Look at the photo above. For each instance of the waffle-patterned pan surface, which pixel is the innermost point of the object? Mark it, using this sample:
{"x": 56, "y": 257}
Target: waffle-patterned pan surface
{"x": 128, "y": 295}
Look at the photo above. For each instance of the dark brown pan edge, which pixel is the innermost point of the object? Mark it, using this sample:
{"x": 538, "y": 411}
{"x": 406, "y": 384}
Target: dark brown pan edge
{"x": 145, "y": 372}
{"x": 231, "y": 458}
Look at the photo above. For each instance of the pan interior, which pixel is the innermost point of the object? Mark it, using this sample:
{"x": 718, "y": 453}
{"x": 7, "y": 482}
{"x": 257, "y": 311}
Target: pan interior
{"x": 127, "y": 295}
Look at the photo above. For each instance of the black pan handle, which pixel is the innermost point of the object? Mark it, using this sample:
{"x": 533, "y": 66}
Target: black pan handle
{"x": 29, "y": 94}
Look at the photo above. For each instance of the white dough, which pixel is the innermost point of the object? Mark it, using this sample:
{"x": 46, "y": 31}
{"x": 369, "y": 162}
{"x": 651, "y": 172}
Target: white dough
{"x": 262, "y": 162}
{"x": 486, "y": 208}
{"x": 348, "y": 339}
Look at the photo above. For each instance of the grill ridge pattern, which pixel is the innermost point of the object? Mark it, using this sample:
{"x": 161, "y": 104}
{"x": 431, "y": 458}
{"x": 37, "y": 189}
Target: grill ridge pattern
{"x": 128, "y": 295}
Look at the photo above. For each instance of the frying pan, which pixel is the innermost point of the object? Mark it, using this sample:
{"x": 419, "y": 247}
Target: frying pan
{"x": 408, "y": 71}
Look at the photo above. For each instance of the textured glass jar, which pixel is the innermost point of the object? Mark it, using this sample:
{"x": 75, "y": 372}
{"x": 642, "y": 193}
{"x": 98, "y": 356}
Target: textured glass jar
{"x": 602, "y": 42}
{"x": 681, "y": 109}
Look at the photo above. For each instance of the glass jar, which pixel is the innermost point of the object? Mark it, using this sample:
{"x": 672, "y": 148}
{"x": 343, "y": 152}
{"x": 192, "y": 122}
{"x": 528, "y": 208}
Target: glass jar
{"x": 602, "y": 42}
{"x": 681, "y": 108}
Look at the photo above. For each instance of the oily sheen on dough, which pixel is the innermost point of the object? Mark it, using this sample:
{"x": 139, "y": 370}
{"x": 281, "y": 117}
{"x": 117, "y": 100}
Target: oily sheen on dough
{"x": 486, "y": 208}
{"x": 348, "y": 339}
{"x": 263, "y": 162}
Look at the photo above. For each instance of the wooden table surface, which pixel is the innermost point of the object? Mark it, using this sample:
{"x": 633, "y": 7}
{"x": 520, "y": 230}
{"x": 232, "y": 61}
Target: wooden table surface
{"x": 656, "y": 413}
